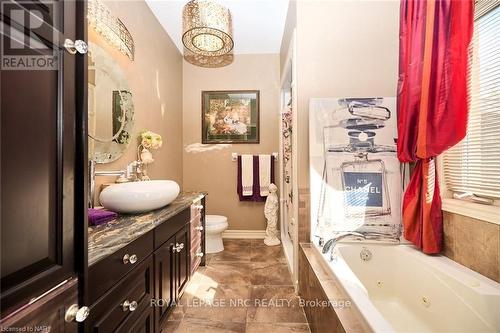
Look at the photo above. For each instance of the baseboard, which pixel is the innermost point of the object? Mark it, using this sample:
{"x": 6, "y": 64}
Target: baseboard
{"x": 241, "y": 234}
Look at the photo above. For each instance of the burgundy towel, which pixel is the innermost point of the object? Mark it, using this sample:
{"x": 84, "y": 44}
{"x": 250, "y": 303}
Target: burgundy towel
{"x": 100, "y": 216}
{"x": 256, "y": 186}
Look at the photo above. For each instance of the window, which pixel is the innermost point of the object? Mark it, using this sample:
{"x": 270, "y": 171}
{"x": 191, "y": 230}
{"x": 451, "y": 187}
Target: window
{"x": 473, "y": 166}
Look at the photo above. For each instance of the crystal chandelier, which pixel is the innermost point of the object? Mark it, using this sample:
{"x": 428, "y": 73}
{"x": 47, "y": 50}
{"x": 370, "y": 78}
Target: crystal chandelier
{"x": 110, "y": 28}
{"x": 207, "y": 30}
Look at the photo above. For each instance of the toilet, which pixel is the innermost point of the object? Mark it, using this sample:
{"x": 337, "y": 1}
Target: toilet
{"x": 215, "y": 226}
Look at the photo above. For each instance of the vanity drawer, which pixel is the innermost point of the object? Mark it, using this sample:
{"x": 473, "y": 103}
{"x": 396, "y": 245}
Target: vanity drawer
{"x": 196, "y": 255}
{"x": 144, "y": 324}
{"x": 167, "y": 229}
{"x": 110, "y": 313}
{"x": 196, "y": 242}
{"x": 196, "y": 218}
{"x": 196, "y": 226}
{"x": 106, "y": 273}
{"x": 196, "y": 208}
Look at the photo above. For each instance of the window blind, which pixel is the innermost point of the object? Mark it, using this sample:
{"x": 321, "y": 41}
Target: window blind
{"x": 473, "y": 165}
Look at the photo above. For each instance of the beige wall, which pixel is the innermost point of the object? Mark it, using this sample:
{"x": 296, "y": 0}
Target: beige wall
{"x": 344, "y": 48}
{"x": 155, "y": 79}
{"x": 290, "y": 25}
{"x": 210, "y": 168}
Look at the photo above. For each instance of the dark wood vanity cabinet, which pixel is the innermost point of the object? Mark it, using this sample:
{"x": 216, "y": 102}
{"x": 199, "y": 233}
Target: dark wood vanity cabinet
{"x": 197, "y": 235}
{"x": 182, "y": 260}
{"x": 155, "y": 281}
{"x": 119, "y": 308}
{"x": 145, "y": 323}
{"x": 104, "y": 274}
{"x": 172, "y": 269}
{"x": 164, "y": 280}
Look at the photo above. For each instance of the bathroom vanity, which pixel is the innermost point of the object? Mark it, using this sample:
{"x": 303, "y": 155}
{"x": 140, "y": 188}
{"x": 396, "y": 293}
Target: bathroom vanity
{"x": 140, "y": 264}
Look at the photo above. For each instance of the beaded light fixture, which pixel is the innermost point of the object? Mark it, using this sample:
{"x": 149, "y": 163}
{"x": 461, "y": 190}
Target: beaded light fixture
{"x": 110, "y": 28}
{"x": 207, "y": 34}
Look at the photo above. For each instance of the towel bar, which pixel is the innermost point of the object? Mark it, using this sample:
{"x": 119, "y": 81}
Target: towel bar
{"x": 234, "y": 157}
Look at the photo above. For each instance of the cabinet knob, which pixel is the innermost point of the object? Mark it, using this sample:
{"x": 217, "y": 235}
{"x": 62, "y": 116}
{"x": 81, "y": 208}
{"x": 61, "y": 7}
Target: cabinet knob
{"x": 178, "y": 247}
{"x": 200, "y": 254}
{"x": 132, "y": 259}
{"x": 129, "y": 306}
{"x": 74, "y": 313}
{"x": 199, "y": 228}
{"x": 77, "y": 46}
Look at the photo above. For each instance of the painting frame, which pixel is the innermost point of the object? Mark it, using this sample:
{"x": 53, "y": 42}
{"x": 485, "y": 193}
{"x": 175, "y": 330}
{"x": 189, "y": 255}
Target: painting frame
{"x": 251, "y": 125}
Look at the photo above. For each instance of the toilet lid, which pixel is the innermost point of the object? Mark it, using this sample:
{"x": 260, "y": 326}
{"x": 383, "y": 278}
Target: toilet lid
{"x": 215, "y": 219}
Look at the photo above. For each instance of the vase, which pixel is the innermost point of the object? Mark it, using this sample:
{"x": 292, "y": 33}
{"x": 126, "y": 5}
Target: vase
{"x": 146, "y": 156}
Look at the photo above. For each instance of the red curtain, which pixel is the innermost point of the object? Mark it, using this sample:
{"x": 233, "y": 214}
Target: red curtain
{"x": 432, "y": 104}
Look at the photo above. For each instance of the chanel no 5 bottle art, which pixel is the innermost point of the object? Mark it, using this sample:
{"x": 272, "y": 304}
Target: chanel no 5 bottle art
{"x": 363, "y": 179}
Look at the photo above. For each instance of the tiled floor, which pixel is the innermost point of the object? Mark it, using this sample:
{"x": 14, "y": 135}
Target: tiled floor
{"x": 245, "y": 288}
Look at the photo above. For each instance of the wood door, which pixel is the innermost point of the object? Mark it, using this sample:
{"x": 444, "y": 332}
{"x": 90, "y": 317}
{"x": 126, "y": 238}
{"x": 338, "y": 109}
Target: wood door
{"x": 46, "y": 314}
{"x": 164, "y": 281}
{"x": 182, "y": 260}
{"x": 43, "y": 147}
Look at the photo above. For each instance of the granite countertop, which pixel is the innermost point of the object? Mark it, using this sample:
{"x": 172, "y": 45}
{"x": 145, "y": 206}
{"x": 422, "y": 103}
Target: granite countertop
{"x": 108, "y": 238}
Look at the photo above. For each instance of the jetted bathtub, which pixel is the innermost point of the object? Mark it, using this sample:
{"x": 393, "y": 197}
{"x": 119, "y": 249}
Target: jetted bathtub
{"x": 399, "y": 289}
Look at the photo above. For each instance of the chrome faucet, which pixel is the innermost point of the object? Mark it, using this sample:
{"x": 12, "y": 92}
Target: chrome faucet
{"x": 127, "y": 175}
{"x": 329, "y": 246}
{"x": 331, "y": 243}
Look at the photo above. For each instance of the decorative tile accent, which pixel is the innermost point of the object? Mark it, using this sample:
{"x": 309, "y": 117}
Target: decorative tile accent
{"x": 473, "y": 243}
{"x": 321, "y": 319}
{"x": 449, "y": 235}
{"x": 304, "y": 215}
{"x": 316, "y": 284}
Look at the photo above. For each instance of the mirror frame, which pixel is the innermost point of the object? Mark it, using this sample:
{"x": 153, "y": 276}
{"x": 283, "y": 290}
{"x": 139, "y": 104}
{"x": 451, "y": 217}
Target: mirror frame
{"x": 105, "y": 150}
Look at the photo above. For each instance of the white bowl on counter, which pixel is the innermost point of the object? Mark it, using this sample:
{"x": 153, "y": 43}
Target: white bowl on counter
{"x": 139, "y": 197}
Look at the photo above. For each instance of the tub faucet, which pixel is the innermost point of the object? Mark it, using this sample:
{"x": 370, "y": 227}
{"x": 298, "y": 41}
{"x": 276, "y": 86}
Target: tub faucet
{"x": 331, "y": 243}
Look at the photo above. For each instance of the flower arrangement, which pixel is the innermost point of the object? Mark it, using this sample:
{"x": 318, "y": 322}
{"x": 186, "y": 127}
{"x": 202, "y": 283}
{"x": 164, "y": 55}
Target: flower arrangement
{"x": 150, "y": 140}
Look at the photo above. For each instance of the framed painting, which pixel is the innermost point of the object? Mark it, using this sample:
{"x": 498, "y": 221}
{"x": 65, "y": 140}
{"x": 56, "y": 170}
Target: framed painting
{"x": 230, "y": 116}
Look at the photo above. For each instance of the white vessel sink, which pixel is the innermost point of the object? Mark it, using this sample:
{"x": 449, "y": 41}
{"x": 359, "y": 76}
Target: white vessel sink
{"x": 138, "y": 197}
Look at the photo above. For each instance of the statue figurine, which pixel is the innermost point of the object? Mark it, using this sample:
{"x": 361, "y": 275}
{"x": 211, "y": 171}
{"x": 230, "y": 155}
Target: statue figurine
{"x": 271, "y": 214}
